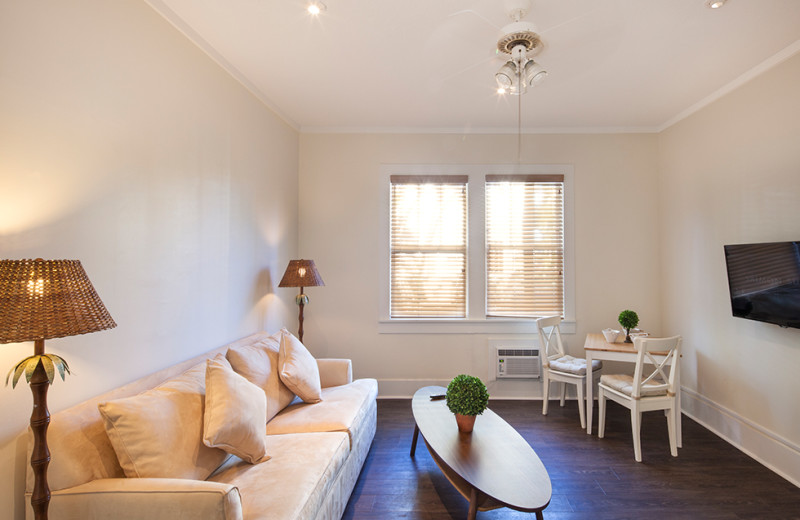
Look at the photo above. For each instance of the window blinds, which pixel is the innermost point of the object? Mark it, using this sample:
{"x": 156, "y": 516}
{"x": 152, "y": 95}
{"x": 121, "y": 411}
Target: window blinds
{"x": 524, "y": 245}
{"x": 428, "y": 246}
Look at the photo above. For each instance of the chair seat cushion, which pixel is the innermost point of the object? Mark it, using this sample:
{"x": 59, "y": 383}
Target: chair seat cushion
{"x": 573, "y": 365}
{"x": 624, "y": 383}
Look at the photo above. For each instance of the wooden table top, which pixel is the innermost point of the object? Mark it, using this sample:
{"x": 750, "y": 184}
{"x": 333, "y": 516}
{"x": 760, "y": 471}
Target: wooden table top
{"x": 596, "y": 341}
{"x": 494, "y": 459}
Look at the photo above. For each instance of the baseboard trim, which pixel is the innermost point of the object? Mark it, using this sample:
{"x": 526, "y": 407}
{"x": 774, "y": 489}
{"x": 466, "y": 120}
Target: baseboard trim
{"x": 767, "y": 447}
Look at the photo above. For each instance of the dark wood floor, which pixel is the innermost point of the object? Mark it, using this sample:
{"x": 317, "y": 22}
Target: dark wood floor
{"x": 592, "y": 478}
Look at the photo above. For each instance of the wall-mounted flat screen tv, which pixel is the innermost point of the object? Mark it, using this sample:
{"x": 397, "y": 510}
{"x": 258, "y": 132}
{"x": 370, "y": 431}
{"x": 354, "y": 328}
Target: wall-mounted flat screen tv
{"x": 764, "y": 282}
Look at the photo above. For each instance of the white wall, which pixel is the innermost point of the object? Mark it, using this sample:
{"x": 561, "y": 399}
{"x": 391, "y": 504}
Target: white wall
{"x": 124, "y": 146}
{"x": 731, "y": 174}
{"x": 616, "y": 249}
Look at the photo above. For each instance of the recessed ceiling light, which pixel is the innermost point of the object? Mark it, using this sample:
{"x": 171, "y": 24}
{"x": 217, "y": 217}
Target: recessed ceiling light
{"x": 316, "y": 7}
{"x": 715, "y": 4}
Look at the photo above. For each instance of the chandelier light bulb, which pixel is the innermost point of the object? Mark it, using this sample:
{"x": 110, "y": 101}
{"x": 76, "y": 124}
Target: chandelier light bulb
{"x": 316, "y": 8}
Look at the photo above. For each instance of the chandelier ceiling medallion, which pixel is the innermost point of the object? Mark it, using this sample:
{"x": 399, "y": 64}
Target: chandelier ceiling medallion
{"x": 521, "y": 42}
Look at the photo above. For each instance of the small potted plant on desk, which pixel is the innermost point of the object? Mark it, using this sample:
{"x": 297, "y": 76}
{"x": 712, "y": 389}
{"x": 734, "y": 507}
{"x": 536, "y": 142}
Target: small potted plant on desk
{"x": 466, "y": 397}
{"x": 628, "y": 320}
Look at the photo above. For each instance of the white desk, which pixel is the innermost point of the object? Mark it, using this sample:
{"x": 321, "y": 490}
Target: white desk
{"x": 596, "y": 347}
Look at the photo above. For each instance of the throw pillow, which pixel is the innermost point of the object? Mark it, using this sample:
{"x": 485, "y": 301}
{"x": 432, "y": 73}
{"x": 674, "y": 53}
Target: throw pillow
{"x": 298, "y": 369}
{"x": 235, "y": 414}
{"x": 159, "y": 433}
{"x": 258, "y": 363}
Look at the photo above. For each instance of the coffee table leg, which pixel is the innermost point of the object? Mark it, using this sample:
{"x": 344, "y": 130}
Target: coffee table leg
{"x": 473, "y": 504}
{"x": 539, "y": 515}
{"x": 414, "y": 440}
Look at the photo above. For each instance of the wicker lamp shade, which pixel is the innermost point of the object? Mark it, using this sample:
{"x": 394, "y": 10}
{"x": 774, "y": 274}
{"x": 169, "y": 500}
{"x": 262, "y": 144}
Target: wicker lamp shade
{"x": 39, "y": 300}
{"x": 301, "y": 273}
{"x": 45, "y": 299}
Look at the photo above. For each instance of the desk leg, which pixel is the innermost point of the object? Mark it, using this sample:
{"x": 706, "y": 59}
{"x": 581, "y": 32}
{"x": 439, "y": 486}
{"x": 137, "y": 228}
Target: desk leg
{"x": 678, "y": 413}
{"x": 414, "y": 440}
{"x": 589, "y": 392}
{"x": 473, "y": 504}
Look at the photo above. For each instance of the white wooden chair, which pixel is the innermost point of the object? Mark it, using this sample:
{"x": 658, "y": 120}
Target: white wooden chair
{"x": 652, "y": 387}
{"x": 560, "y": 367}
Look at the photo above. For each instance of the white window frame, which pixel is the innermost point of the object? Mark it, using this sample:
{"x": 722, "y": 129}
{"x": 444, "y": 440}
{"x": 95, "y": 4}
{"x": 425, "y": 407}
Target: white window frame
{"x": 476, "y": 321}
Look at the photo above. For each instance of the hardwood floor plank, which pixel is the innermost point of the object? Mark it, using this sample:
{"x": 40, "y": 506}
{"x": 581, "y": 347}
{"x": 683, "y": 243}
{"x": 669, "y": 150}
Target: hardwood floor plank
{"x": 592, "y": 478}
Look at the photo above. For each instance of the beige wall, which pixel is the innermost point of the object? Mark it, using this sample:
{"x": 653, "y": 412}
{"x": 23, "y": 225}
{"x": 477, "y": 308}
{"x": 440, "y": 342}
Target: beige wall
{"x": 124, "y": 146}
{"x": 731, "y": 174}
{"x": 616, "y": 249}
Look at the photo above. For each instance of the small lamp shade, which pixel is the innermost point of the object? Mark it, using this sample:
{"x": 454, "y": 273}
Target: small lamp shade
{"x": 45, "y": 299}
{"x": 301, "y": 273}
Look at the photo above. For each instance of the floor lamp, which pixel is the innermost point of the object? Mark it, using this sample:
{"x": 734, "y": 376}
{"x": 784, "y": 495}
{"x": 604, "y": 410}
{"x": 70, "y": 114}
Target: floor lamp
{"x": 39, "y": 300}
{"x": 301, "y": 273}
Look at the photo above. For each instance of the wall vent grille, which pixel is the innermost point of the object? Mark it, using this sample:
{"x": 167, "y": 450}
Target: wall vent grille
{"x": 518, "y": 363}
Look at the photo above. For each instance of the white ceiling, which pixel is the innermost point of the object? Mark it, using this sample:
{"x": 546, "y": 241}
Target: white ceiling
{"x": 429, "y": 65}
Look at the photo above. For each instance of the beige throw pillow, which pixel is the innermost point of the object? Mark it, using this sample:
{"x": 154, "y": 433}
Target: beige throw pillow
{"x": 159, "y": 433}
{"x": 258, "y": 363}
{"x": 298, "y": 369}
{"x": 235, "y": 414}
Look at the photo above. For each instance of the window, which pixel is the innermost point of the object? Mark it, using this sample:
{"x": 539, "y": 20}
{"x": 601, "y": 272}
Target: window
{"x": 428, "y": 236}
{"x": 475, "y": 248}
{"x": 524, "y": 245}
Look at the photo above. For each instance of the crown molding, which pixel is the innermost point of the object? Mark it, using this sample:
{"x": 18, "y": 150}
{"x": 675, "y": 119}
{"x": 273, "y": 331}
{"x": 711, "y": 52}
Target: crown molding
{"x": 756, "y": 71}
{"x": 168, "y": 14}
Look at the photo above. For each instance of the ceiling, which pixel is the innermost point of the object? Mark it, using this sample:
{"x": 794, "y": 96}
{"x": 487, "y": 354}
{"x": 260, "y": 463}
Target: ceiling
{"x": 429, "y": 65}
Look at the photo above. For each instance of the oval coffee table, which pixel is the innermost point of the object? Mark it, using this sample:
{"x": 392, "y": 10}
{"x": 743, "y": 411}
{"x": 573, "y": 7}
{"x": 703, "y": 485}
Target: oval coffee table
{"x": 491, "y": 467}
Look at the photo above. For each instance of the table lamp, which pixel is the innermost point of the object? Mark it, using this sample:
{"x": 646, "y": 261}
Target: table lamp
{"x": 39, "y": 300}
{"x": 301, "y": 273}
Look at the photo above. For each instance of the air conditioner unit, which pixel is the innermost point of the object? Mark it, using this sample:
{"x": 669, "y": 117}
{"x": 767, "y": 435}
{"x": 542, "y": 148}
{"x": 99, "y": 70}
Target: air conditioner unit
{"x": 518, "y": 363}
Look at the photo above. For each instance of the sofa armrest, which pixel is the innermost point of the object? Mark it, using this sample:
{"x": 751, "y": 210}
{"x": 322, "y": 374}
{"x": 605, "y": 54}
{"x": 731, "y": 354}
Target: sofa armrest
{"x": 151, "y": 498}
{"x": 335, "y": 372}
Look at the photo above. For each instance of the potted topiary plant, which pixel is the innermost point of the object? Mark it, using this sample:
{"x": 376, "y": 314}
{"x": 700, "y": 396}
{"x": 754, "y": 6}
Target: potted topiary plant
{"x": 466, "y": 397}
{"x": 629, "y": 320}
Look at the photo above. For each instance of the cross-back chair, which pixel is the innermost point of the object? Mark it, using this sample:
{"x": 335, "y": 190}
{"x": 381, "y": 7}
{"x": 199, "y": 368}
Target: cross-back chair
{"x": 557, "y": 366}
{"x": 652, "y": 387}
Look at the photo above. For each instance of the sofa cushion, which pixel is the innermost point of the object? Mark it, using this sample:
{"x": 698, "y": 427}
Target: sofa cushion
{"x": 294, "y": 483}
{"x": 235, "y": 413}
{"x": 338, "y": 411}
{"x": 159, "y": 433}
{"x": 298, "y": 369}
{"x": 258, "y": 363}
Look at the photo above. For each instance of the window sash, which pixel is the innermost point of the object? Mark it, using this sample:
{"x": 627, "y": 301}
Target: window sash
{"x": 428, "y": 246}
{"x": 524, "y": 245}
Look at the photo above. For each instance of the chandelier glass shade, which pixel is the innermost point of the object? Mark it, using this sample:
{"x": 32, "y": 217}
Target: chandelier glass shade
{"x": 519, "y": 73}
{"x": 533, "y": 73}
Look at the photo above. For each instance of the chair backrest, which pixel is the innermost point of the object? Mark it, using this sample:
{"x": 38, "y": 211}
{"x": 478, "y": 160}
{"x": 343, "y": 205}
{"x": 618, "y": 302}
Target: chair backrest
{"x": 550, "y": 339}
{"x": 657, "y": 364}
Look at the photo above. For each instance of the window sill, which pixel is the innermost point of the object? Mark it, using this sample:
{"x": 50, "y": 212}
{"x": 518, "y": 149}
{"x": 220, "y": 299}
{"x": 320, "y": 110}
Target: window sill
{"x": 451, "y": 326}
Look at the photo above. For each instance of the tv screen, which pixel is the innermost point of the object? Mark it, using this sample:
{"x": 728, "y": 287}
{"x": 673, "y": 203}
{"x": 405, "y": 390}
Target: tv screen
{"x": 764, "y": 282}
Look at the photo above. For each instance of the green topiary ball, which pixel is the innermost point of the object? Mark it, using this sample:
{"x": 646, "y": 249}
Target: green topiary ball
{"x": 628, "y": 319}
{"x": 467, "y": 395}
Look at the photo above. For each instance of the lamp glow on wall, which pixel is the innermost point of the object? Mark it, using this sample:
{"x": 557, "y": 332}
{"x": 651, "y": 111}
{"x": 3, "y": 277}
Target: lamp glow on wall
{"x": 301, "y": 273}
{"x": 39, "y": 300}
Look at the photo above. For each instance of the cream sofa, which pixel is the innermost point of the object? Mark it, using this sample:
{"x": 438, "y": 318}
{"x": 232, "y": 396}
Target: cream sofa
{"x": 316, "y": 454}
